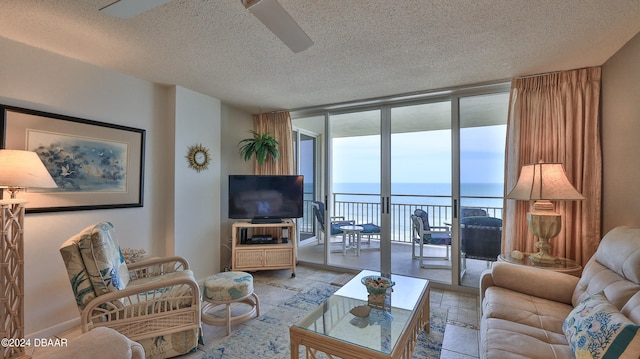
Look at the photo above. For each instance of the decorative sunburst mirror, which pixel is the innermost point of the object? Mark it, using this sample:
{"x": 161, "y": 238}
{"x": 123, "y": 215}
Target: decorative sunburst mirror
{"x": 198, "y": 157}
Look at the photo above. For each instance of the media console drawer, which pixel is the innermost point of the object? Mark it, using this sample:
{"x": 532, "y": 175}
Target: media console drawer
{"x": 278, "y": 257}
{"x": 245, "y": 259}
{"x": 268, "y": 257}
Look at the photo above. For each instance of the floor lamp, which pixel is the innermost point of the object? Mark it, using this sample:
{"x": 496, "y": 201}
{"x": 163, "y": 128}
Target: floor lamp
{"x": 18, "y": 169}
{"x": 542, "y": 183}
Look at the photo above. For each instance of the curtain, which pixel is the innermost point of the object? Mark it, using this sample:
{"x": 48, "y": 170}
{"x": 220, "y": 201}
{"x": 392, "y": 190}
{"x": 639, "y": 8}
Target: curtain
{"x": 555, "y": 118}
{"x": 278, "y": 124}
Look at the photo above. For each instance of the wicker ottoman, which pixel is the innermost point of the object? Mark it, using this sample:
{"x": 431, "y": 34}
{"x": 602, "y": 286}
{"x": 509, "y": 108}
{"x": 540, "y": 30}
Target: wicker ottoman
{"x": 224, "y": 289}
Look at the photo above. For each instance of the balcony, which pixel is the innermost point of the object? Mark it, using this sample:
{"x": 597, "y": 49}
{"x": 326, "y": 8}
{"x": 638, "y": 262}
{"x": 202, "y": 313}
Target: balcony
{"x": 366, "y": 210}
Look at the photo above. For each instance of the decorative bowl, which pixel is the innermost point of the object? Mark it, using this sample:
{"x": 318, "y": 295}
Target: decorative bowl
{"x": 377, "y": 285}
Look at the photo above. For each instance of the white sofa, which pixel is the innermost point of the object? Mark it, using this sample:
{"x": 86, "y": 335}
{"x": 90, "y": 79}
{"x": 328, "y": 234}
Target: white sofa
{"x": 524, "y": 308}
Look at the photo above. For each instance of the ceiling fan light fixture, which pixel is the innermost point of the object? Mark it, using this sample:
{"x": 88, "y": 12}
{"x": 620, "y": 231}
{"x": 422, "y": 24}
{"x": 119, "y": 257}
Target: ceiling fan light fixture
{"x": 127, "y": 9}
{"x": 278, "y": 20}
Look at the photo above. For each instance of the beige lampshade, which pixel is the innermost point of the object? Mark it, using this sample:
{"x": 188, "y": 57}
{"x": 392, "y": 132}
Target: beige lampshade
{"x": 544, "y": 181}
{"x": 23, "y": 169}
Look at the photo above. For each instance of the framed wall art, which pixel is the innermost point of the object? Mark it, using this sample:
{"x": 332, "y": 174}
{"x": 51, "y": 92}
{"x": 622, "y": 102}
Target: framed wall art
{"x": 96, "y": 165}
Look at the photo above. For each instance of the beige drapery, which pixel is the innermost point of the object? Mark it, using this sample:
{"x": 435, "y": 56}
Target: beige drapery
{"x": 278, "y": 124}
{"x": 554, "y": 118}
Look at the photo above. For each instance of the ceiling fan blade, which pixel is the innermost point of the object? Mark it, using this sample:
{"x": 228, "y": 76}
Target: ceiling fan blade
{"x": 278, "y": 20}
{"x": 126, "y": 9}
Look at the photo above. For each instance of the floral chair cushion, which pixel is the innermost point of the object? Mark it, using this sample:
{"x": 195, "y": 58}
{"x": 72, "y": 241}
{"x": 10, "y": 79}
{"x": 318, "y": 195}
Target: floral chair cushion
{"x": 228, "y": 286}
{"x": 167, "y": 346}
{"x": 80, "y": 283}
{"x": 102, "y": 258}
{"x": 596, "y": 329}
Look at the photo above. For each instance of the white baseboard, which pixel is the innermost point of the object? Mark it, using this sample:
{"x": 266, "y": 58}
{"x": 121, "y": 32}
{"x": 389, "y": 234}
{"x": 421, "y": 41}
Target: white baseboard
{"x": 55, "y": 330}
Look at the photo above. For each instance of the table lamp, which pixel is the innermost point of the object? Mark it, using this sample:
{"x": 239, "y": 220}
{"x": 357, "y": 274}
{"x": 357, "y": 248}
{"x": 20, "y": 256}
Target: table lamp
{"x": 542, "y": 183}
{"x": 18, "y": 169}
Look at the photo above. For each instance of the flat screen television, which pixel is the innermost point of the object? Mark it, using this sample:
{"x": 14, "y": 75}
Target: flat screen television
{"x": 265, "y": 198}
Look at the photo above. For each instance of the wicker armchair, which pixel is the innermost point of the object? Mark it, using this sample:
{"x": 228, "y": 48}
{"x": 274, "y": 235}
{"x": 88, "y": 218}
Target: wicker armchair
{"x": 155, "y": 302}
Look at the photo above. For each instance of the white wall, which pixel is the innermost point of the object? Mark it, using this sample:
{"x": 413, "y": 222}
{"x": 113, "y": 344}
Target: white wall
{"x": 197, "y": 194}
{"x": 35, "y": 79}
{"x": 621, "y": 137}
{"x": 235, "y": 127}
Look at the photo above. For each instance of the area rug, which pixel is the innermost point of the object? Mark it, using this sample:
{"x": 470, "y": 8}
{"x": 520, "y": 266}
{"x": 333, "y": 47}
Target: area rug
{"x": 268, "y": 336}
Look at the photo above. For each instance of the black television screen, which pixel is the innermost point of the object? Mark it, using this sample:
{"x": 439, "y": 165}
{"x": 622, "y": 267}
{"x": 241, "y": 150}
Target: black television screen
{"x": 264, "y": 198}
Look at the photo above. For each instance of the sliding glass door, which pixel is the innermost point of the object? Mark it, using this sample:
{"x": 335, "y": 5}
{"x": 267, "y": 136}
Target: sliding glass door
{"x": 441, "y": 156}
{"x": 308, "y": 135}
{"x": 421, "y": 178}
{"x": 354, "y": 195}
{"x": 483, "y": 126}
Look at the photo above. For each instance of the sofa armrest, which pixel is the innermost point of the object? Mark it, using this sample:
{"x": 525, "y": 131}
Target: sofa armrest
{"x": 486, "y": 281}
{"x": 533, "y": 281}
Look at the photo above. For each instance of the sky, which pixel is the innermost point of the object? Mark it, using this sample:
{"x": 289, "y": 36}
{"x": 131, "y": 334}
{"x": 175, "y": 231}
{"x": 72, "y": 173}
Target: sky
{"x": 422, "y": 157}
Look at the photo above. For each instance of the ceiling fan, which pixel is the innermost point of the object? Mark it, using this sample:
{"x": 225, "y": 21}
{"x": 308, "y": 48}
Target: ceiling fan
{"x": 269, "y": 12}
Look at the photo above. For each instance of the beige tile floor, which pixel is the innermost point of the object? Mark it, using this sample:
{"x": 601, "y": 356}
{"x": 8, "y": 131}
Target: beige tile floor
{"x": 275, "y": 287}
{"x": 461, "y": 333}
{"x": 401, "y": 260}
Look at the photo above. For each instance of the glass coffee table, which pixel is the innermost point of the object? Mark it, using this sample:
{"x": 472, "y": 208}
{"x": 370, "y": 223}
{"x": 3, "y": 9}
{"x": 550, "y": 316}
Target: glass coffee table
{"x": 389, "y": 331}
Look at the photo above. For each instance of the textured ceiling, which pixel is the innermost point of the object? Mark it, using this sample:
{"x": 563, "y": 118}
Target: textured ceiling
{"x": 363, "y": 49}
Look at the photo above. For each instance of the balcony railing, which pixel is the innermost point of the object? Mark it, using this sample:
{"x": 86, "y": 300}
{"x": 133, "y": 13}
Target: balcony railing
{"x": 402, "y": 206}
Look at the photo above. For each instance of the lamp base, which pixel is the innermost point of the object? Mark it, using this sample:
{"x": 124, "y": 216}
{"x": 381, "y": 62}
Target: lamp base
{"x": 545, "y": 224}
{"x": 543, "y": 256}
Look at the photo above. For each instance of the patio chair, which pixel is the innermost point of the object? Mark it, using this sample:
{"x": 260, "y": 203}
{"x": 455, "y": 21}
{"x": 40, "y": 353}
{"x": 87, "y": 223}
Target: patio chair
{"x": 155, "y": 302}
{"x": 335, "y": 222}
{"x": 472, "y": 212}
{"x": 370, "y": 229}
{"x": 424, "y": 234}
{"x": 481, "y": 238}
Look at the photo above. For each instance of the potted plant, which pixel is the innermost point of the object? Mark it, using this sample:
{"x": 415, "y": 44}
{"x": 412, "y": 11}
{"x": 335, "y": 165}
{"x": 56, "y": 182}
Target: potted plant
{"x": 262, "y": 145}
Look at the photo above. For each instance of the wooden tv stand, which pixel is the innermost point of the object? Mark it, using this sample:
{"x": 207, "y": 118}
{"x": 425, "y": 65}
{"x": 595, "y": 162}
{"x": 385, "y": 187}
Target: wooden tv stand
{"x": 253, "y": 257}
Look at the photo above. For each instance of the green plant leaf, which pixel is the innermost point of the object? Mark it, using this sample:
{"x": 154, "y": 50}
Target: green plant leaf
{"x": 260, "y": 145}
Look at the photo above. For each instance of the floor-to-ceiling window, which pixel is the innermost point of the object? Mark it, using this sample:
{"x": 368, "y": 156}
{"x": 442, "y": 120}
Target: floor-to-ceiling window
{"x": 308, "y": 135}
{"x": 421, "y": 179}
{"x": 379, "y": 163}
{"x": 483, "y": 126}
{"x": 354, "y": 140}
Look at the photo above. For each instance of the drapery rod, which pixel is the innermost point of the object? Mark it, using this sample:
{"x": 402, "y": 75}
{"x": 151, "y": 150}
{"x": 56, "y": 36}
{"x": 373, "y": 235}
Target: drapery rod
{"x": 555, "y": 72}
{"x": 280, "y": 111}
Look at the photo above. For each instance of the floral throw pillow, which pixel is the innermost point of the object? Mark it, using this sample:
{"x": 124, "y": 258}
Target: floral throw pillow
{"x": 103, "y": 260}
{"x": 596, "y": 329}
